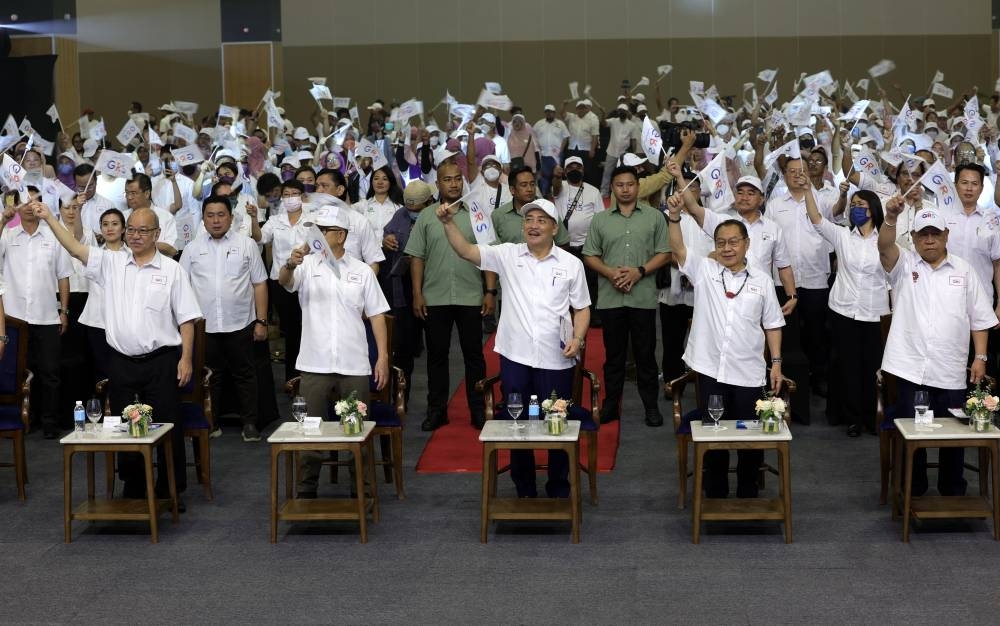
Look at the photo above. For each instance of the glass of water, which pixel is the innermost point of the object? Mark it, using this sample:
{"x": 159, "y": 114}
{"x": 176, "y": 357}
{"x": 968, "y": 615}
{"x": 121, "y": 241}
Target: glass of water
{"x": 515, "y": 404}
{"x": 715, "y": 409}
{"x": 921, "y": 401}
{"x": 299, "y": 410}
{"x": 94, "y": 412}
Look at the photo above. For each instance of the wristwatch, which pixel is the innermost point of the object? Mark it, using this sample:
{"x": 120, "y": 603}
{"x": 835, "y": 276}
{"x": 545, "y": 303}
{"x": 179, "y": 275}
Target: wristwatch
{"x": 261, "y": 322}
{"x": 983, "y": 357}
{"x": 64, "y": 312}
{"x": 582, "y": 342}
{"x": 492, "y": 292}
{"x": 776, "y": 360}
{"x": 642, "y": 271}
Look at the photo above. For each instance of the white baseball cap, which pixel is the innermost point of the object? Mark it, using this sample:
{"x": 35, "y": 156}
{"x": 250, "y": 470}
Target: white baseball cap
{"x": 549, "y": 107}
{"x": 542, "y": 205}
{"x": 753, "y": 181}
{"x": 330, "y": 215}
{"x": 489, "y": 118}
{"x": 583, "y": 103}
{"x": 929, "y": 218}
{"x": 300, "y": 134}
{"x": 571, "y": 160}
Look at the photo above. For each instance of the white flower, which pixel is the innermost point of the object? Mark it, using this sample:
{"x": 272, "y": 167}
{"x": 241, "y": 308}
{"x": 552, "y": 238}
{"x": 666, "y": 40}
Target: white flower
{"x": 778, "y": 404}
{"x": 341, "y": 407}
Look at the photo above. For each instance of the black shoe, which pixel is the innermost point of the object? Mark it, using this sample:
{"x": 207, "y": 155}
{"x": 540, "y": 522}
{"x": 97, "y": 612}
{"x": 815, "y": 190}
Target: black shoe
{"x": 478, "y": 421}
{"x": 654, "y": 419}
{"x": 433, "y": 423}
{"x": 853, "y": 431}
{"x": 607, "y": 419}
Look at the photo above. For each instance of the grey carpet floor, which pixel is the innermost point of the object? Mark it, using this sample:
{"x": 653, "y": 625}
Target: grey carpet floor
{"x": 424, "y": 563}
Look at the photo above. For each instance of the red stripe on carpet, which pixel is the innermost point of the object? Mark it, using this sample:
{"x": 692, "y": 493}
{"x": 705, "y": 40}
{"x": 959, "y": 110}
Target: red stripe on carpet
{"x": 455, "y": 447}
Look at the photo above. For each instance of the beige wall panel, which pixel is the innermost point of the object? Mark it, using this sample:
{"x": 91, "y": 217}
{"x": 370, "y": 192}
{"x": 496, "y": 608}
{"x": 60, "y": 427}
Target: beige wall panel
{"x": 247, "y": 72}
{"x": 31, "y": 46}
{"x": 148, "y": 25}
{"x": 67, "y": 78}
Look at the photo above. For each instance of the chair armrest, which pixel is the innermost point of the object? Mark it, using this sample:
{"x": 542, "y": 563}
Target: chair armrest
{"x": 677, "y": 386}
{"x": 292, "y": 386}
{"x": 595, "y": 390}
{"x": 485, "y": 387}
{"x": 879, "y": 398}
{"x": 26, "y": 399}
{"x": 206, "y": 402}
{"x": 400, "y": 392}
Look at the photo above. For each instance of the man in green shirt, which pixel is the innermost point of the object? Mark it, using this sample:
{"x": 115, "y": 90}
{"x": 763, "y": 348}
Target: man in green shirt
{"x": 448, "y": 292}
{"x": 625, "y": 246}
{"x": 508, "y": 222}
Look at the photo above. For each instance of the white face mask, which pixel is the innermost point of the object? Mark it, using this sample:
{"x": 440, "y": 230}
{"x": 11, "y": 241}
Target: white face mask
{"x": 491, "y": 174}
{"x": 291, "y": 204}
{"x": 434, "y": 141}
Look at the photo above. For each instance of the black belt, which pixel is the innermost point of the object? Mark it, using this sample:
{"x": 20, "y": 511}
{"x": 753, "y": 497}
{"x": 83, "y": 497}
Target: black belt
{"x": 142, "y": 358}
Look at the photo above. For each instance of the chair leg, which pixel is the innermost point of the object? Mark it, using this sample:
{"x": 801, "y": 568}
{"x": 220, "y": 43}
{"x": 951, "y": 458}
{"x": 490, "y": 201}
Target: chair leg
{"x": 682, "y": 470}
{"x": 386, "y": 457}
{"x": 984, "y": 471}
{"x": 884, "y": 460}
{"x": 206, "y": 464}
{"x": 20, "y": 465}
{"x": 397, "y": 462}
{"x": 592, "y": 466}
{"x": 196, "y": 453}
{"x": 109, "y": 474}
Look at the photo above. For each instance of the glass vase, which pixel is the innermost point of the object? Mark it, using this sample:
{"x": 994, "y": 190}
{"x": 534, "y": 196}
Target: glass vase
{"x": 139, "y": 428}
{"x": 351, "y": 424}
{"x": 771, "y": 424}
{"x": 981, "y": 421}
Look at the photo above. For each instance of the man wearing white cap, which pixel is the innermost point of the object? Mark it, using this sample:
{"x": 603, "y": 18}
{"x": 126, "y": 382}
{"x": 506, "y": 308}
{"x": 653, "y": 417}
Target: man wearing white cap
{"x": 584, "y": 135}
{"x": 577, "y": 202}
{"x": 333, "y": 357}
{"x": 543, "y": 324}
{"x": 623, "y": 138}
{"x": 485, "y": 186}
{"x": 488, "y": 127}
{"x": 552, "y": 136}
{"x": 939, "y": 301}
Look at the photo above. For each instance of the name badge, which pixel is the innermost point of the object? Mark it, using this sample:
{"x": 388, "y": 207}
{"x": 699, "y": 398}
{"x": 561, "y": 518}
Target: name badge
{"x": 558, "y": 272}
{"x": 158, "y": 279}
{"x": 956, "y": 281}
{"x": 46, "y": 244}
{"x": 754, "y": 289}
{"x": 234, "y": 251}
{"x": 354, "y": 278}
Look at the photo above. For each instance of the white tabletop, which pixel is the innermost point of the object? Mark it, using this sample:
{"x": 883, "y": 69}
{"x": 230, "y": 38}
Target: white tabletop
{"x": 943, "y": 428}
{"x": 701, "y": 432}
{"x": 534, "y": 430}
{"x": 106, "y": 436}
{"x": 328, "y": 432}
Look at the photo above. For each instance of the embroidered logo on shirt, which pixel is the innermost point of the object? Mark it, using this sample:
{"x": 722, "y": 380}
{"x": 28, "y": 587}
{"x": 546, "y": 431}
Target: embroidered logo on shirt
{"x": 158, "y": 279}
{"x": 558, "y": 272}
{"x": 915, "y": 276}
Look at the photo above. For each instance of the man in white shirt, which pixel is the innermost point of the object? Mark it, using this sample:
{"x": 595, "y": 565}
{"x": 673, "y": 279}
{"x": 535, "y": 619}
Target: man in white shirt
{"x": 150, "y": 310}
{"x": 939, "y": 301}
{"x": 622, "y": 138}
{"x": 584, "y": 135}
{"x": 488, "y": 126}
{"x": 485, "y": 186}
{"x": 139, "y": 195}
{"x": 552, "y": 137}
{"x": 577, "y": 202}
{"x": 735, "y": 310}
{"x": 92, "y": 204}
{"x": 229, "y": 278}
{"x": 35, "y": 269}
{"x": 967, "y": 233}
{"x": 333, "y": 357}
{"x": 543, "y": 323}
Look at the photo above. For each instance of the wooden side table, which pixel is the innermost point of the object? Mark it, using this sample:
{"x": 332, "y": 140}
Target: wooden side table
{"x": 947, "y": 432}
{"x": 114, "y": 441}
{"x": 731, "y": 509}
{"x": 498, "y": 435}
{"x": 289, "y": 439}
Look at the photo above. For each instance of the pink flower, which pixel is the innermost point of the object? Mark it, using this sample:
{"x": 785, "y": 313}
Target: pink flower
{"x": 362, "y": 408}
{"x": 133, "y": 414}
{"x": 991, "y": 403}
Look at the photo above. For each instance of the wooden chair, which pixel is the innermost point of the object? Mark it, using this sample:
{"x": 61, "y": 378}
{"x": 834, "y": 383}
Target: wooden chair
{"x": 682, "y": 426}
{"x": 15, "y": 398}
{"x": 387, "y": 407}
{"x": 196, "y": 416}
{"x": 590, "y": 418}
{"x": 885, "y": 414}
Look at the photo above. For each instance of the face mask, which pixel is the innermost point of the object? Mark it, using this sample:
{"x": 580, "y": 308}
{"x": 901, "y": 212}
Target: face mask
{"x": 189, "y": 170}
{"x": 622, "y": 116}
{"x": 172, "y": 166}
{"x": 309, "y": 188}
{"x": 465, "y": 145}
{"x": 859, "y": 215}
{"x": 227, "y": 179}
{"x": 491, "y": 174}
{"x": 287, "y": 175}
{"x": 574, "y": 176}
{"x": 413, "y": 215}
{"x": 65, "y": 169}
{"x": 291, "y": 204}
{"x": 807, "y": 143}
{"x": 434, "y": 141}
{"x": 389, "y": 126}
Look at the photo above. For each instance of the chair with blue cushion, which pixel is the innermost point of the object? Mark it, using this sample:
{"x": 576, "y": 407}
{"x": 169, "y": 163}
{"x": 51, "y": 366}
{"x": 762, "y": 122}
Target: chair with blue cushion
{"x": 589, "y": 418}
{"x": 386, "y": 407}
{"x": 682, "y": 427}
{"x": 15, "y": 398}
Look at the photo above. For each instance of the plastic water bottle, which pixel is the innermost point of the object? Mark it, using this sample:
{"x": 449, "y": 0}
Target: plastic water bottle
{"x": 534, "y": 410}
{"x": 79, "y": 416}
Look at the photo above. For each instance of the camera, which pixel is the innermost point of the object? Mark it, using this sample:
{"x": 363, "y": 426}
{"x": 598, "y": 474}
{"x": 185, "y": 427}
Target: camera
{"x": 671, "y": 134}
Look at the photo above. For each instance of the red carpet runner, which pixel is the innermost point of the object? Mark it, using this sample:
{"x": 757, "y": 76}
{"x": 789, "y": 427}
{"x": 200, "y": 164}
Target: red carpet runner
{"x": 455, "y": 447}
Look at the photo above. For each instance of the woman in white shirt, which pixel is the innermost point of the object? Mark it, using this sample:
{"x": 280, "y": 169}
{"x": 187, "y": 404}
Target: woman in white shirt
{"x": 858, "y": 300}
{"x": 384, "y": 199}
{"x": 112, "y": 224}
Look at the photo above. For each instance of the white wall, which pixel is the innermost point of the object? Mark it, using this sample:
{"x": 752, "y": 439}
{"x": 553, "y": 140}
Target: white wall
{"x": 147, "y": 25}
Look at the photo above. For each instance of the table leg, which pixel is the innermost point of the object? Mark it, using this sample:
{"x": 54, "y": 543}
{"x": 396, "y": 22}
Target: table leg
{"x": 907, "y": 488}
{"x": 68, "y": 493}
{"x": 574, "y": 488}
{"x": 359, "y": 485}
{"x": 786, "y": 486}
{"x": 168, "y": 450}
{"x": 90, "y": 475}
{"x": 897, "y": 472}
{"x": 376, "y": 514}
{"x": 291, "y": 475}
{"x": 488, "y": 468}
{"x": 275, "y": 454}
{"x": 147, "y": 463}
{"x": 699, "y": 460}
{"x": 994, "y": 460}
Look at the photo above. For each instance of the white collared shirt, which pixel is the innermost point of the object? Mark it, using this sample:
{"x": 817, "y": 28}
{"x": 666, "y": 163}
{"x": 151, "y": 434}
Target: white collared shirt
{"x": 810, "y": 253}
{"x": 78, "y": 283}
{"x": 860, "y": 291}
{"x": 582, "y": 130}
{"x": 283, "y": 237}
{"x": 223, "y": 272}
{"x": 143, "y": 306}
{"x": 589, "y": 205}
{"x": 480, "y": 192}
{"x": 92, "y": 210}
{"x": 767, "y": 243}
{"x": 550, "y": 136}
{"x": 538, "y": 296}
{"x": 726, "y": 340}
{"x": 964, "y": 241}
{"x": 32, "y": 267}
{"x": 697, "y": 242}
{"x": 377, "y": 213}
{"x": 934, "y": 314}
{"x": 333, "y": 333}
{"x": 93, "y": 311}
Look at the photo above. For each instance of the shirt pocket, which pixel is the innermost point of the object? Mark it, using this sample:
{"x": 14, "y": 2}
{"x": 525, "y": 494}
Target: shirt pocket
{"x": 236, "y": 264}
{"x": 750, "y": 306}
{"x": 156, "y": 297}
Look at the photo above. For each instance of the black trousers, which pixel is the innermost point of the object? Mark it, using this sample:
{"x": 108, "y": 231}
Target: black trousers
{"x": 440, "y": 320}
{"x": 739, "y": 403}
{"x": 267, "y": 403}
{"x": 951, "y": 461}
{"x": 154, "y": 380}
{"x": 75, "y": 361}
{"x": 100, "y": 352}
{"x": 43, "y": 360}
{"x": 406, "y": 341}
{"x": 290, "y": 323}
{"x": 621, "y": 325}
{"x": 812, "y": 313}
{"x": 673, "y": 328}
{"x": 859, "y": 349}
{"x": 231, "y": 355}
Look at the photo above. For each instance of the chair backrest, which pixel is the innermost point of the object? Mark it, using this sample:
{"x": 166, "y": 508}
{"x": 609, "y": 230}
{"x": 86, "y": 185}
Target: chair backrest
{"x": 387, "y": 393}
{"x": 13, "y": 366}
{"x": 194, "y": 390}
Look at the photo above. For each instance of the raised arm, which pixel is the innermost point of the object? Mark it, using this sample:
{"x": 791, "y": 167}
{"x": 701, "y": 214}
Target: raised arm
{"x": 471, "y": 169}
{"x": 677, "y": 248}
{"x": 690, "y": 204}
{"x": 888, "y": 251}
{"x": 811, "y": 209}
{"x": 66, "y": 239}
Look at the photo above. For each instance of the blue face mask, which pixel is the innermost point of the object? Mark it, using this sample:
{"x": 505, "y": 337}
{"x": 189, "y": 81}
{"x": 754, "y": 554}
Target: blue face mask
{"x": 65, "y": 168}
{"x": 390, "y": 125}
{"x": 859, "y": 215}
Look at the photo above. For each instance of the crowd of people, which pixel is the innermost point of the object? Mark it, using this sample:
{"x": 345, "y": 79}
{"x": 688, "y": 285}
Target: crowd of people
{"x": 729, "y": 219}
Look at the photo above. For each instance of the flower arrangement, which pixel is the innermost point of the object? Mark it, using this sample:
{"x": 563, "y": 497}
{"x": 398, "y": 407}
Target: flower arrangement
{"x": 138, "y": 416}
{"x": 556, "y": 409}
{"x": 770, "y": 411}
{"x": 352, "y": 413}
{"x": 980, "y": 406}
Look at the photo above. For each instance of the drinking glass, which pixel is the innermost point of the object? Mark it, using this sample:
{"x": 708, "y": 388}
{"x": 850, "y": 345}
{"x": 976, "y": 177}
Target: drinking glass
{"x": 299, "y": 410}
{"x": 715, "y": 409}
{"x": 94, "y": 412}
{"x": 515, "y": 405}
{"x": 921, "y": 400}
